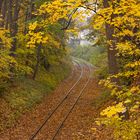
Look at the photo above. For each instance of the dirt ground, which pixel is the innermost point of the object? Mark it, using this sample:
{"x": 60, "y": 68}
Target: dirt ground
{"x": 78, "y": 126}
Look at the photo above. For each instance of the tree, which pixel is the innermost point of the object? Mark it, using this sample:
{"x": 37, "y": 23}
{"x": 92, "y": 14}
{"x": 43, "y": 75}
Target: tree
{"x": 125, "y": 23}
{"x": 112, "y": 52}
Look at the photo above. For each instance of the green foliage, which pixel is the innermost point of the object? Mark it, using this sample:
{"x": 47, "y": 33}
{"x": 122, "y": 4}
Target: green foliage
{"x": 93, "y": 54}
{"x": 96, "y": 55}
{"x": 103, "y": 98}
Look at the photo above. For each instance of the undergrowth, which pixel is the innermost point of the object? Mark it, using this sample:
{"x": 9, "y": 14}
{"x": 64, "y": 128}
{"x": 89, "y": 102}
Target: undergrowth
{"x": 102, "y": 99}
{"x": 24, "y": 93}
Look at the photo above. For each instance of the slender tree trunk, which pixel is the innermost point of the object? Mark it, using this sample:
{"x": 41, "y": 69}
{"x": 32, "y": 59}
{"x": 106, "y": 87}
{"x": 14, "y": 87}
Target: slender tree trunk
{"x": 1, "y": 2}
{"x": 29, "y": 14}
{"x": 31, "y": 9}
{"x": 28, "y": 17}
{"x": 1, "y": 21}
{"x": 112, "y": 59}
{"x": 46, "y": 64}
{"x": 37, "y": 62}
{"x": 4, "y": 12}
{"x": 7, "y": 14}
{"x": 15, "y": 17}
{"x": 10, "y": 19}
{"x": 14, "y": 26}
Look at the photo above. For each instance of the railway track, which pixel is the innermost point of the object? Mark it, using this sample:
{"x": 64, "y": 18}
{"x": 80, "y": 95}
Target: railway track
{"x": 61, "y": 112}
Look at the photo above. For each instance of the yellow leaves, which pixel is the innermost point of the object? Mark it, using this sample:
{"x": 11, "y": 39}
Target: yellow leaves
{"x": 128, "y": 74}
{"x": 125, "y": 48}
{"x": 5, "y": 39}
{"x": 33, "y": 26}
{"x": 37, "y": 39}
{"x": 55, "y": 10}
{"x": 74, "y": 31}
{"x": 131, "y": 7}
{"x": 124, "y": 14}
{"x": 126, "y": 32}
{"x": 99, "y": 23}
{"x": 6, "y": 62}
{"x": 133, "y": 64}
{"x": 112, "y": 111}
{"x": 135, "y": 89}
{"x": 53, "y": 42}
{"x": 44, "y": 40}
{"x": 40, "y": 38}
{"x": 52, "y": 12}
{"x": 42, "y": 9}
{"x": 35, "y": 36}
{"x": 124, "y": 17}
{"x": 59, "y": 9}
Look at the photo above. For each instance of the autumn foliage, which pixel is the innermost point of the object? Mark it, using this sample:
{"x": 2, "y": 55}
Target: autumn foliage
{"x": 44, "y": 33}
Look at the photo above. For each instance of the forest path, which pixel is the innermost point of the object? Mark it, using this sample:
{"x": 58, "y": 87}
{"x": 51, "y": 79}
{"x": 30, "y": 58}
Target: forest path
{"x": 77, "y": 126}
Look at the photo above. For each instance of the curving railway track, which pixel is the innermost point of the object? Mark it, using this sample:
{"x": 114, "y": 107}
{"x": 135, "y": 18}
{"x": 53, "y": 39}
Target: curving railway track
{"x": 58, "y": 116}
{"x": 48, "y": 121}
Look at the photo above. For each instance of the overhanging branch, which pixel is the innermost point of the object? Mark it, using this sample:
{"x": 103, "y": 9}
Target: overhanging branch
{"x": 70, "y": 19}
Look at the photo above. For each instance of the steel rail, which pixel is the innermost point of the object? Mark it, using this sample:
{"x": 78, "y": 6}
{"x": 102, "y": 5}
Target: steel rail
{"x": 61, "y": 102}
{"x": 71, "y": 109}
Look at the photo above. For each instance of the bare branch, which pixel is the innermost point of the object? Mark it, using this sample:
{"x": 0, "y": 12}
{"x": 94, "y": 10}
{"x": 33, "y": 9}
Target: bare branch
{"x": 70, "y": 19}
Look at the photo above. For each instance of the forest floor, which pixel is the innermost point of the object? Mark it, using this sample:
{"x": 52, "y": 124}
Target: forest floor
{"x": 80, "y": 125}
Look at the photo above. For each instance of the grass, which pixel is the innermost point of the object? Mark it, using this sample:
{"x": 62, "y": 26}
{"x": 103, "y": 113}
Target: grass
{"x": 25, "y": 93}
{"x": 102, "y": 99}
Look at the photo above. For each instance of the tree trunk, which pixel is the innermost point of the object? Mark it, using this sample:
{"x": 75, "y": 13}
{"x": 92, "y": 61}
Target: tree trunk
{"x": 29, "y": 15}
{"x": 4, "y": 12}
{"x": 1, "y": 2}
{"x": 14, "y": 26}
{"x": 46, "y": 64}
{"x": 37, "y": 62}
{"x": 112, "y": 59}
{"x": 10, "y": 20}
